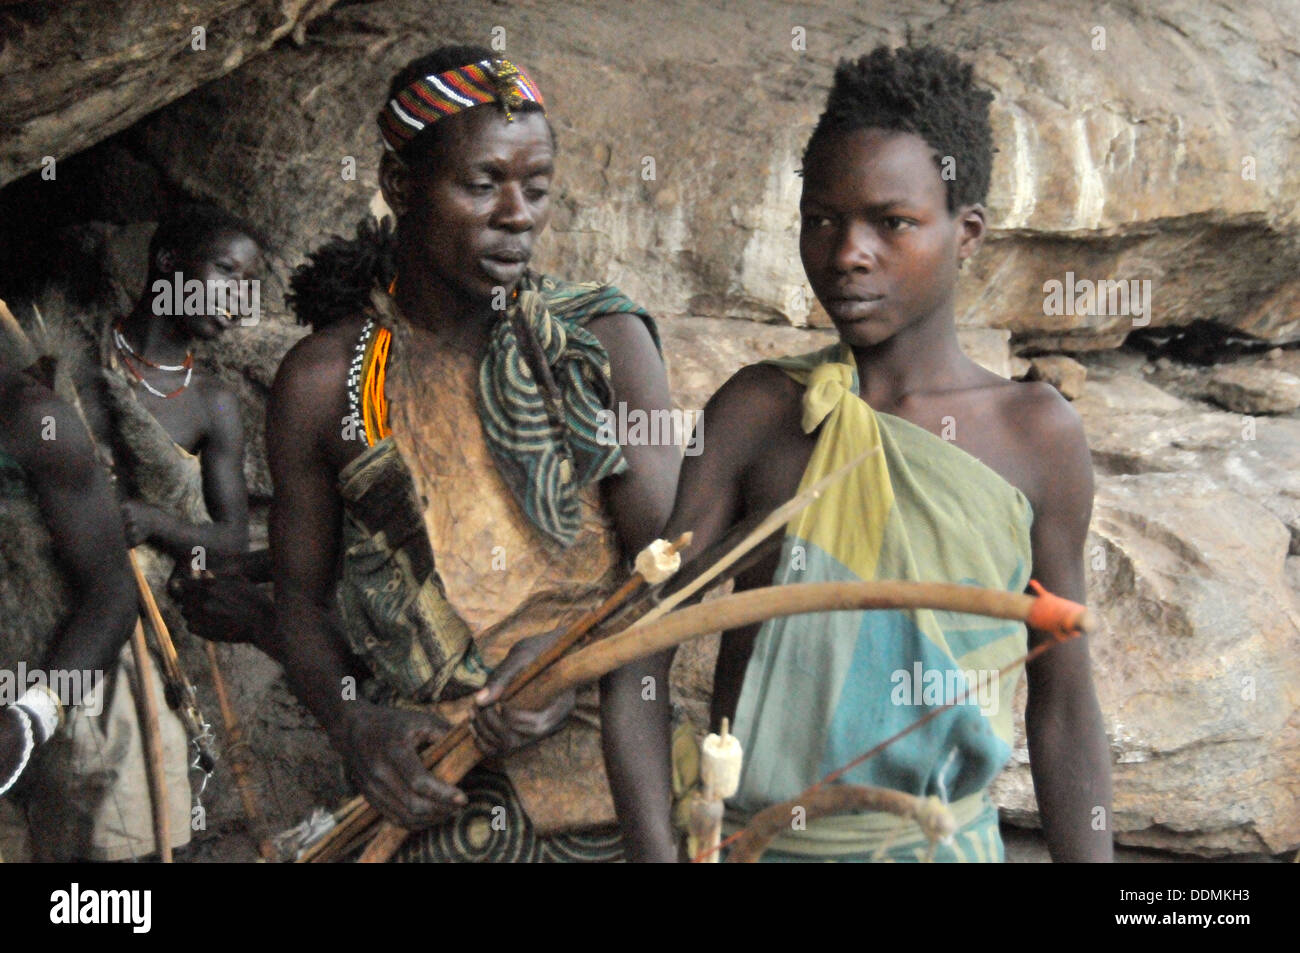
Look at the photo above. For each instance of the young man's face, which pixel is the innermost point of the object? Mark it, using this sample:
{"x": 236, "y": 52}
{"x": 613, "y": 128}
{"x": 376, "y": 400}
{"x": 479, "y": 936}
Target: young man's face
{"x": 476, "y": 211}
{"x": 227, "y": 258}
{"x": 877, "y": 241}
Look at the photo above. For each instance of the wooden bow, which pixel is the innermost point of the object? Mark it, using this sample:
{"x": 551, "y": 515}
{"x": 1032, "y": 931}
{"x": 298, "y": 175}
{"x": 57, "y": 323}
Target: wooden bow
{"x": 1045, "y": 611}
{"x": 662, "y": 629}
{"x": 356, "y": 817}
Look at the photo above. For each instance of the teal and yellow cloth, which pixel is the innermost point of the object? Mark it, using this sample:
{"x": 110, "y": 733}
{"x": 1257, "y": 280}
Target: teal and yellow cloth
{"x": 823, "y": 688}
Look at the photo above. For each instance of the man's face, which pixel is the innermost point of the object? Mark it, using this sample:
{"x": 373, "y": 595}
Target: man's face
{"x": 476, "y": 211}
{"x": 225, "y": 259}
{"x": 877, "y": 242}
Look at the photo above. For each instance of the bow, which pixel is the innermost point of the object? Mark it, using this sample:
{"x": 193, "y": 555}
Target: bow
{"x": 356, "y": 817}
{"x": 660, "y": 628}
{"x": 1062, "y": 619}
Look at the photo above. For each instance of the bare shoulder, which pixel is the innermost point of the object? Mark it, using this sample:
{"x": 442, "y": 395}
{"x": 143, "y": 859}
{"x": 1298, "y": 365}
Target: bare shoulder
{"x": 309, "y": 397}
{"x": 621, "y": 330}
{"x": 316, "y": 367}
{"x": 634, "y": 361}
{"x": 756, "y": 416}
{"x": 1045, "y": 419}
{"x": 42, "y": 431}
{"x": 1049, "y": 433}
{"x": 758, "y": 391}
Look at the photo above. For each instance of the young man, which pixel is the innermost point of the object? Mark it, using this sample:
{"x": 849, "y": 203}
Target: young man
{"x": 198, "y": 248}
{"x": 980, "y": 480}
{"x": 176, "y": 442}
{"x": 76, "y": 761}
{"x": 437, "y": 475}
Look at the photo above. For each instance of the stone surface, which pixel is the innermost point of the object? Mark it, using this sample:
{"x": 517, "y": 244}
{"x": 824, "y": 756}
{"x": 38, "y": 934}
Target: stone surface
{"x": 1121, "y": 163}
{"x": 1254, "y": 390}
{"x": 1197, "y": 667}
{"x": 74, "y": 73}
{"x": 1065, "y": 374}
{"x": 1196, "y": 512}
{"x": 1134, "y": 427}
{"x": 1127, "y": 393}
{"x": 702, "y": 353}
{"x": 1027, "y": 846}
{"x": 988, "y": 347}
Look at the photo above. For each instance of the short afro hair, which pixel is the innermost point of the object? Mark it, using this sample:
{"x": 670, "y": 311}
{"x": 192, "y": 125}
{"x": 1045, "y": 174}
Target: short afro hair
{"x": 922, "y": 90}
{"x": 422, "y": 147}
{"x": 189, "y": 229}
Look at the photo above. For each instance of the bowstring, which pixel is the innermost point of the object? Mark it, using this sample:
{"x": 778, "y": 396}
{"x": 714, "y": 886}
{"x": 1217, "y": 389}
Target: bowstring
{"x": 1035, "y": 652}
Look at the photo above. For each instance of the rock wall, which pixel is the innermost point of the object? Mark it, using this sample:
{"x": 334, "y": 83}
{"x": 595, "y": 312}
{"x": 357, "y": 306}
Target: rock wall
{"x": 72, "y": 74}
{"x": 1161, "y": 148}
{"x": 1197, "y": 661}
{"x": 1166, "y": 155}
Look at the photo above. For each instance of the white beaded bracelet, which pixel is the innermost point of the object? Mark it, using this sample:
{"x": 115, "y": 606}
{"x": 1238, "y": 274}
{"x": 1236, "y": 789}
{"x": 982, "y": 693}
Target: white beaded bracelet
{"x": 45, "y": 709}
{"x": 29, "y": 745}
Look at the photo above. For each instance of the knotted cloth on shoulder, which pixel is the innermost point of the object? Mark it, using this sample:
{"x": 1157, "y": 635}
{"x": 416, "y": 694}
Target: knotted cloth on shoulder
{"x": 822, "y": 688}
{"x": 543, "y": 384}
{"x": 543, "y": 433}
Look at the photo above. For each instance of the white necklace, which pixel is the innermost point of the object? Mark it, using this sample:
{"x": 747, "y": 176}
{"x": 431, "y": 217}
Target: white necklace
{"x": 120, "y": 340}
{"x": 188, "y": 367}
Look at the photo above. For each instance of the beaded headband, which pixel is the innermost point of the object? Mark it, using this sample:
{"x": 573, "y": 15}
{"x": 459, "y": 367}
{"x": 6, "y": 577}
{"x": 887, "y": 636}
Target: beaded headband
{"x": 435, "y": 97}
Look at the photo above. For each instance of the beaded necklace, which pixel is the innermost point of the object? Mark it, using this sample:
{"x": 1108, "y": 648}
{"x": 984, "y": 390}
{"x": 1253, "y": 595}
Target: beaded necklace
{"x": 129, "y": 355}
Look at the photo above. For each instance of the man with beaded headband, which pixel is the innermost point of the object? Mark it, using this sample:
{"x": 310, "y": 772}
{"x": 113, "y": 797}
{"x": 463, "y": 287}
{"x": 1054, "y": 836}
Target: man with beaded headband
{"x": 443, "y": 502}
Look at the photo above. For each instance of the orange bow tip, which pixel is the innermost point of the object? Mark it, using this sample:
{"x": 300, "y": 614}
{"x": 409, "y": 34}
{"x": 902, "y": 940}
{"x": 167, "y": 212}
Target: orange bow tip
{"x": 1061, "y": 617}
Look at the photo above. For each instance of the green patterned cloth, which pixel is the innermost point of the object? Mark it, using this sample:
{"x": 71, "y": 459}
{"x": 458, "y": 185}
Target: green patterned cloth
{"x": 547, "y": 454}
{"x": 395, "y": 610}
{"x": 396, "y": 614}
{"x": 493, "y": 828}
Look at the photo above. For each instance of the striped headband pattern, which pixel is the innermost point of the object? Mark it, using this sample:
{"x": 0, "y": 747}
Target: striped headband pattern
{"x": 444, "y": 94}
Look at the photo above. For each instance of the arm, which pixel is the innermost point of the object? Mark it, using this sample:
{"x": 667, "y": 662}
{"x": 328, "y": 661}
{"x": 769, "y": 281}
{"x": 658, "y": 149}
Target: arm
{"x": 640, "y": 498}
{"x": 304, "y": 534}
{"x": 225, "y": 603}
{"x": 77, "y": 503}
{"x": 224, "y": 492}
{"x": 1068, "y": 753}
{"x": 255, "y": 566}
{"x": 637, "y": 734}
{"x": 79, "y": 511}
{"x": 379, "y": 745}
